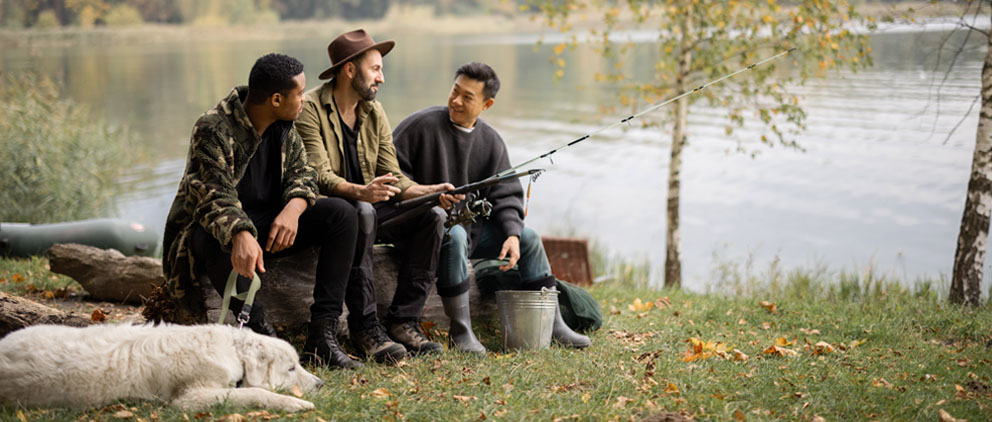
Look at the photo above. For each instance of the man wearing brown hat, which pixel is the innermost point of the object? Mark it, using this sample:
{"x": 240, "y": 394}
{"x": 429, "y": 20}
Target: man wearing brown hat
{"x": 349, "y": 142}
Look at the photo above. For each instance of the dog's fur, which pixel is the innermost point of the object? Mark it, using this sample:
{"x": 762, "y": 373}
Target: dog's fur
{"x": 192, "y": 367}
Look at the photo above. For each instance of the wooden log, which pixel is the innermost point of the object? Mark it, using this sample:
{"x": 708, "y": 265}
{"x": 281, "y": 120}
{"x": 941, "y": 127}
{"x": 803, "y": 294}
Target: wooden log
{"x": 17, "y": 312}
{"x": 287, "y": 291}
{"x": 107, "y": 274}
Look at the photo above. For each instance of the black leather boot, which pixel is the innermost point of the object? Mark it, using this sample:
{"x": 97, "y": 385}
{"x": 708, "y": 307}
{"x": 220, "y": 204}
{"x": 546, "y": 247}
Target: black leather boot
{"x": 322, "y": 348}
{"x": 257, "y": 322}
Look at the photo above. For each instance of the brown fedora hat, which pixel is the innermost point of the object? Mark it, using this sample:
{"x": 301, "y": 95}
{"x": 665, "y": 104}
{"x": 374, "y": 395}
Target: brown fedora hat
{"x": 350, "y": 45}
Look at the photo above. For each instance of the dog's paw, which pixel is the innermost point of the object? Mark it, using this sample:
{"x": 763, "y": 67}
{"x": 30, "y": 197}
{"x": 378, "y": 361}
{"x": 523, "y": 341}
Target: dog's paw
{"x": 296, "y": 405}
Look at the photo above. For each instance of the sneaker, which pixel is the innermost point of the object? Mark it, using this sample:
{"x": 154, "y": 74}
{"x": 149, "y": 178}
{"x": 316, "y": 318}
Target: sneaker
{"x": 374, "y": 342}
{"x": 409, "y": 335}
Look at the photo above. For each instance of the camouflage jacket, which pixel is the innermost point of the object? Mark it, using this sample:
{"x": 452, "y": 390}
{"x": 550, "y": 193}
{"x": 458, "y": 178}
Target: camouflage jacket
{"x": 222, "y": 144}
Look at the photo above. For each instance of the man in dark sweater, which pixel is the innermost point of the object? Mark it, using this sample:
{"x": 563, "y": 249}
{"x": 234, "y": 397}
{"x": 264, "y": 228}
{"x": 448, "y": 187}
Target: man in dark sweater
{"x": 452, "y": 145}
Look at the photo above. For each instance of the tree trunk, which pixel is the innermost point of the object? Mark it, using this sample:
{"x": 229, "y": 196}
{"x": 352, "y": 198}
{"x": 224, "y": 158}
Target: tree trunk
{"x": 17, "y": 312}
{"x": 673, "y": 241}
{"x": 970, "y": 255}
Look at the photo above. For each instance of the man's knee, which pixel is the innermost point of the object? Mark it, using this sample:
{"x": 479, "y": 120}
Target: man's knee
{"x": 530, "y": 241}
{"x": 436, "y": 217}
{"x": 334, "y": 211}
{"x": 365, "y": 213}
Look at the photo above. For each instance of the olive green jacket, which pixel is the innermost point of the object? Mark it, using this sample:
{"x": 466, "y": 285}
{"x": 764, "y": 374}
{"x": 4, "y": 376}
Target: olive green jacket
{"x": 222, "y": 144}
{"x": 319, "y": 127}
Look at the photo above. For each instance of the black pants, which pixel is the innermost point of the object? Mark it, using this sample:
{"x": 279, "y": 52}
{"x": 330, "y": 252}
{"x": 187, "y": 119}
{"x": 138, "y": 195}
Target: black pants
{"x": 418, "y": 240}
{"x": 330, "y": 223}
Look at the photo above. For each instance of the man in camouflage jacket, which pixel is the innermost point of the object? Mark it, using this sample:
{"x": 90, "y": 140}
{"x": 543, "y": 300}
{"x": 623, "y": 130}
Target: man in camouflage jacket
{"x": 248, "y": 183}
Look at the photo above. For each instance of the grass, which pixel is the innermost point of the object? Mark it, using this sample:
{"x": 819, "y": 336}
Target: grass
{"x": 891, "y": 354}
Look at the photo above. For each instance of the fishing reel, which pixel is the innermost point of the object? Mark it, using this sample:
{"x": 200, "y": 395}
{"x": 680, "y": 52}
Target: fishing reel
{"x": 469, "y": 211}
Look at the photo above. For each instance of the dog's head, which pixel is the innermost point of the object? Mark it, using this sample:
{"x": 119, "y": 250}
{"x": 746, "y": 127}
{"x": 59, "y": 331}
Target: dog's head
{"x": 273, "y": 364}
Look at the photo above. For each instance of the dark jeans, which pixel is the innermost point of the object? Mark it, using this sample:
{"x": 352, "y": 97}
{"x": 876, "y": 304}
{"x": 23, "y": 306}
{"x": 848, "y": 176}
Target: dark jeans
{"x": 418, "y": 240}
{"x": 330, "y": 223}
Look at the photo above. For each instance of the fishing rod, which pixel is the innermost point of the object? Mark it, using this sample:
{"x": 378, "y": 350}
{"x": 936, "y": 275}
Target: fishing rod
{"x": 513, "y": 169}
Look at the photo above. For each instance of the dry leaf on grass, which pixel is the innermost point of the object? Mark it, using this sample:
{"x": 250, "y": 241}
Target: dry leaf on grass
{"x": 98, "y": 315}
{"x": 779, "y": 351}
{"x": 769, "y": 306}
{"x": 639, "y": 306}
{"x": 380, "y": 393}
{"x": 946, "y": 417}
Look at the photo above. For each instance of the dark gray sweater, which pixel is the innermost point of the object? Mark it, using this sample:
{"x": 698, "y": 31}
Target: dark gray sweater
{"x": 431, "y": 150}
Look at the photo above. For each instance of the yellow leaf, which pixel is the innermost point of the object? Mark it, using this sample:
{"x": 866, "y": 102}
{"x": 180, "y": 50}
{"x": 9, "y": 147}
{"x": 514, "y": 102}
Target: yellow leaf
{"x": 17, "y": 278}
{"x": 782, "y": 342}
{"x": 296, "y": 391}
{"x": 943, "y": 416}
{"x": 834, "y": 46}
{"x": 561, "y": 62}
{"x": 742, "y": 321}
{"x": 622, "y": 402}
{"x": 767, "y": 19}
{"x": 21, "y": 417}
{"x": 559, "y": 73}
{"x": 739, "y": 356}
{"x": 463, "y": 398}
{"x": 560, "y": 48}
{"x": 585, "y": 397}
{"x": 672, "y": 389}
{"x": 380, "y": 393}
{"x": 639, "y": 306}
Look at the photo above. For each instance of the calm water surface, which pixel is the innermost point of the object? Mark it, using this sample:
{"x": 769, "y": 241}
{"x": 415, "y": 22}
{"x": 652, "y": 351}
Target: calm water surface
{"x": 880, "y": 183}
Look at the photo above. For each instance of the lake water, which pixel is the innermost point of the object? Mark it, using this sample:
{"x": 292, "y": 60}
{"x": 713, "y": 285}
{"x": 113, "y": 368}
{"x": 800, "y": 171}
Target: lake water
{"x": 880, "y": 183}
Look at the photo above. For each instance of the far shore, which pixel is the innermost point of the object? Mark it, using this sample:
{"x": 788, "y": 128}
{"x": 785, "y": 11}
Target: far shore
{"x": 400, "y": 20}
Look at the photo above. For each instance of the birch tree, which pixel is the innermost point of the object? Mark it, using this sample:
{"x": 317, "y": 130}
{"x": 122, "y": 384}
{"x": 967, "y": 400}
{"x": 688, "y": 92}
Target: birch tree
{"x": 700, "y": 41}
{"x": 969, "y": 257}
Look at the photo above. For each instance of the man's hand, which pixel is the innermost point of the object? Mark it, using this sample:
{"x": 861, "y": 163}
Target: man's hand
{"x": 378, "y": 189}
{"x": 246, "y": 255}
{"x": 447, "y": 200}
{"x": 511, "y": 246}
{"x": 282, "y": 234}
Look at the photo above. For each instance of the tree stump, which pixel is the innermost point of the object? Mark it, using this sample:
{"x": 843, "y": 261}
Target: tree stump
{"x": 107, "y": 274}
{"x": 17, "y": 312}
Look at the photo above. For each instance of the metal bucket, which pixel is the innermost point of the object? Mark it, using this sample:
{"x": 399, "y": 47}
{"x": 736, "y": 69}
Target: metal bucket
{"x": 528, "y": 317}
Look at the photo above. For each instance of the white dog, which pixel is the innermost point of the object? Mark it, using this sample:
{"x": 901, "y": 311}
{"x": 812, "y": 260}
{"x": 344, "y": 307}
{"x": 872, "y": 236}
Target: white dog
{"x": 192, "y": 367}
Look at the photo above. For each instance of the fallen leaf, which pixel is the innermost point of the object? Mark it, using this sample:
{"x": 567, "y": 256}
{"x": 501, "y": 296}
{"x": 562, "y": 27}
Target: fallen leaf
{"x": 427, "y": 326}
{"x": 739, "y": 356}
{"x": 881, "y": 383}
{"x": 780, "y": 351}
{"x": 613, "y": 311}
{"x": 234, "y": 417}
{"x": 463, "y": 398}
{"x": 296, "y": 391}
{"x": 672, "y": 389}
{"x": 622, "y": 402}
{"x": 662, "y": 302}
{"x": 739, "y": 416}
{"x": 742, "y": 321}
{"x": 769, "y": 306}
{"x": 822, "y": 347}
{"x": 98, "y": 315}
{"x": 946, "y": 417}
{"x": 638, "y": 306}
{"x": 782, "y": 342}
{"x": 21, "y": 417}
{"x": 17, "y": 278}
{"x": 809, "y": 332}
{"x": 380, "y": 393}
{"x": 499, "y": 412}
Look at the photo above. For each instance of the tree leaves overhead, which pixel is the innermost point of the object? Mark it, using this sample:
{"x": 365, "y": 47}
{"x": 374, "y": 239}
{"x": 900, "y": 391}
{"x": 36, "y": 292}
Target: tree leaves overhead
{"x": 723, "y": 36}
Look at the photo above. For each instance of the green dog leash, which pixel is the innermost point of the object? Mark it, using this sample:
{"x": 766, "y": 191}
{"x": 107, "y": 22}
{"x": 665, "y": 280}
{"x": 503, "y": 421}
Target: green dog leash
{"x": 248, "y": 297}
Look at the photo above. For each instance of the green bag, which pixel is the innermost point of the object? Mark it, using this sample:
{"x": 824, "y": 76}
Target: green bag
{"x": 578, "y": 308}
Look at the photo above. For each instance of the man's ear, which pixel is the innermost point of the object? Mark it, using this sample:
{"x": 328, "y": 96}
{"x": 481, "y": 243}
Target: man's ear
{"x": 276, "y": 100}
{"x": 488, "y": 103}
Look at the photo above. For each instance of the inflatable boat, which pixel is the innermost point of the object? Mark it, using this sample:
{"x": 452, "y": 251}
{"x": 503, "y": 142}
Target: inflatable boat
{"x": 22, "y": 239}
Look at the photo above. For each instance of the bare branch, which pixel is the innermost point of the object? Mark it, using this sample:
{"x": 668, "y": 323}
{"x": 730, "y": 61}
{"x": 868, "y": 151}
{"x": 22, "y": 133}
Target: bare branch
{"x": 963, "y": 118}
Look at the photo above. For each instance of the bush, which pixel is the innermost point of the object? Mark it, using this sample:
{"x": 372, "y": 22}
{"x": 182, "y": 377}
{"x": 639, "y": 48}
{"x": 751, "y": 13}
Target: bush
{"x": 60, "y": 163}
{"x": 47, "y": 19}
{"x": 123, "y": 15}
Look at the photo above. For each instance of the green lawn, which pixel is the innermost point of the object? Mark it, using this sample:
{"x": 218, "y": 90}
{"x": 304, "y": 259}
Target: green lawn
{"x": 860, "y": 351}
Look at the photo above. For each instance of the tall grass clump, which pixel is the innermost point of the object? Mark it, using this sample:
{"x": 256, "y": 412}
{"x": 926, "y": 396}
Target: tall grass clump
{"x": 59, "y": 162}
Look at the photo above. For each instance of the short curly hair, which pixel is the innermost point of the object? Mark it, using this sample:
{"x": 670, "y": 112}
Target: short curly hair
{"x": 272, "y": 73}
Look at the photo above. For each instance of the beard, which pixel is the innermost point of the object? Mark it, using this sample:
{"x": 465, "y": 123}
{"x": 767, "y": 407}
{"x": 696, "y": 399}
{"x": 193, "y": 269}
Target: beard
{"x": 362, "y": 87}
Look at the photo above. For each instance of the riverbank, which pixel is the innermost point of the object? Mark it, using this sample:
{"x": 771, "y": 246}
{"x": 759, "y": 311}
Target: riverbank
{"x": 801, "y": 352}
{"x": 402, "y": 19}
